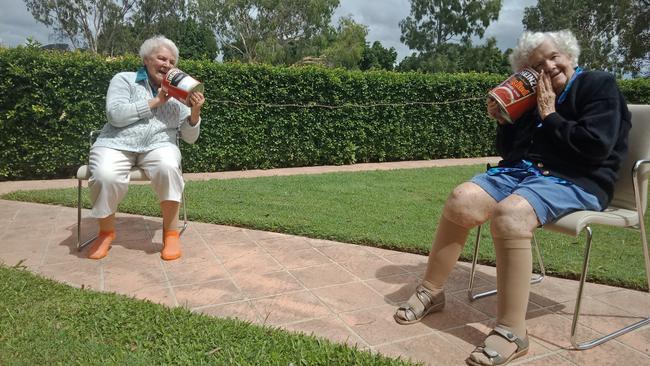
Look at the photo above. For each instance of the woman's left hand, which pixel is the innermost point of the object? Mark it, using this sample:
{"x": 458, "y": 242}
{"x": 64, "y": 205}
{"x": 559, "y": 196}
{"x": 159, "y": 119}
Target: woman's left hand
{"x": 545, "y": 96}
{"x": 196, "y": 100}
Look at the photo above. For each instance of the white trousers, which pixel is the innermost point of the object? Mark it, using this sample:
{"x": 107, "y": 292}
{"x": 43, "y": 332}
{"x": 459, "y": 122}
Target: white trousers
{"x": 109, "y": 179}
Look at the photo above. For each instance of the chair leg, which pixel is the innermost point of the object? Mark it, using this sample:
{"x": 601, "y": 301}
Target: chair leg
{"x": 537, "y": 277}
{"x": 81, "y": 245}
{"x": 576, "y": 312}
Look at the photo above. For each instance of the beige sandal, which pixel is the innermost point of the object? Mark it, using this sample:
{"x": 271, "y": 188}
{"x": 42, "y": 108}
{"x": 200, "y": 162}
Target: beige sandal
{"x": 494, "y": 356}
{"x": 431, "y": 303}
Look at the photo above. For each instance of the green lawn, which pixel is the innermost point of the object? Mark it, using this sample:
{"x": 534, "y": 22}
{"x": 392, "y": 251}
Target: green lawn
{"x": 396, "y": 209}
{"x": 43, "y": 322}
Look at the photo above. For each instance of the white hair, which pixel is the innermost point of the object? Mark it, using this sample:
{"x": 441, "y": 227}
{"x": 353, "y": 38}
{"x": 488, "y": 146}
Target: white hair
{"x": 154, "y": 43}
{"x": 565, "y": 41}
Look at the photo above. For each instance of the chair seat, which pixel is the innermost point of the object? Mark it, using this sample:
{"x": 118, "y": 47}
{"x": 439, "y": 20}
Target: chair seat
{"x": 573, "y": 223}
{"x": 136, "y": 174}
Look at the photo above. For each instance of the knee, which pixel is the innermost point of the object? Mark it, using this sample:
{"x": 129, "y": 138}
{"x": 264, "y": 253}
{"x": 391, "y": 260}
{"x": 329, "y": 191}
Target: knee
{"x": 105, "y": 176}
{"x": 466, "y": 207}
{"x": 513, "y": 220}
{"x": 167, "y": 169}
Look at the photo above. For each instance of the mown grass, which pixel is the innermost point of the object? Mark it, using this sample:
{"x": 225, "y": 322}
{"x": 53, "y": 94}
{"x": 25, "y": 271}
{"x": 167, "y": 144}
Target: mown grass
{"x": 43, "y": 322}
{"x": 396, "y": 209}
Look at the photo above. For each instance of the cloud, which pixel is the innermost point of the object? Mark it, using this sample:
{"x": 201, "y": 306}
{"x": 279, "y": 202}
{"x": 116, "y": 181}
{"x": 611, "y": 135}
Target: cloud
{"x": 17, "y": 23}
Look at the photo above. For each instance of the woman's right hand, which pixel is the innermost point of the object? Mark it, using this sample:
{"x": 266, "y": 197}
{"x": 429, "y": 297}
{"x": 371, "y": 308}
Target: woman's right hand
{"x": 494, "y": 112}
{"x": 161, "y": 98}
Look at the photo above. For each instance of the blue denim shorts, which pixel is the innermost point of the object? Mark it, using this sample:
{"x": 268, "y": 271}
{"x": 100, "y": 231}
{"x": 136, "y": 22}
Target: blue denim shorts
{"x": 550, "y": 197}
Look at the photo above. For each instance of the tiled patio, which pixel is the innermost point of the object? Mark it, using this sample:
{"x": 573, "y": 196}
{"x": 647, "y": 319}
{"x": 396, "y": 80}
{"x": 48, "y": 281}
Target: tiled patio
{"x": 343, "y": 292}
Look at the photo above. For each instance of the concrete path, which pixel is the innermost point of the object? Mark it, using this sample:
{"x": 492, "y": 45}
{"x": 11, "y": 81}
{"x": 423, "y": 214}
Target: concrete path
{"x": 343, "y": 292}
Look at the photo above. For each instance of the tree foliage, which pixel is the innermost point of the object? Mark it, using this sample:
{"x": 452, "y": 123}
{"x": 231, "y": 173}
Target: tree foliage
{"x": 273, "y": 31}
{"x": 433, "y": 23}
{"x": 346, "y": 49}
{"x": 119, "y": 26}
{"x": 80, "y": 21}
{"x": 461, "y": 57}
{"x": 377, "y": 57}
{"x": 614, "y": 35}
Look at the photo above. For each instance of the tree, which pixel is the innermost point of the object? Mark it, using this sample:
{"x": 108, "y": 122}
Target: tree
{"x": 613, "y": 34}
{"x": 265, "y": 30}
{"x": 433, "y": 23}
{"x": 80, "y": 21}
{"x": 377, "y": 57}
{"x": 347, "y": 47}
{"x": 464, "y": 57}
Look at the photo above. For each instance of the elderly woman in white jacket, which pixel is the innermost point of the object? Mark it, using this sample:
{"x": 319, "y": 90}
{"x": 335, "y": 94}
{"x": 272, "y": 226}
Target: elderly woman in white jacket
{"x": 141, "y": 131}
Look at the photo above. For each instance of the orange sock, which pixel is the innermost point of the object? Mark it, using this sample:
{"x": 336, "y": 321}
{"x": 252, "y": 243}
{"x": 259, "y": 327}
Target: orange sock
{"x": 101, "y": 245}
{"x": 171, "y": 245}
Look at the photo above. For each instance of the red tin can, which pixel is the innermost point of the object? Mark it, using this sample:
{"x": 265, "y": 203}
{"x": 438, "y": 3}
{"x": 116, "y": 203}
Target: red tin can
{"x": 180, "y": 85}
{"x": 517, "y": 94}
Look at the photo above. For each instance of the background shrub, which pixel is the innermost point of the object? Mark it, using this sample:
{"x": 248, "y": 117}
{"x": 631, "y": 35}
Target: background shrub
{"x": 49, "y": 101}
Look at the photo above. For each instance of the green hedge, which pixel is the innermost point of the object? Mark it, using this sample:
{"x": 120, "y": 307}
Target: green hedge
{"x": 49, "y": 101}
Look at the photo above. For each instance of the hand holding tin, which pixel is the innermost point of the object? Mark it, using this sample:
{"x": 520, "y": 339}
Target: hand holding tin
{"x": 161, "y": 98}
{"x": 545, "y": 96}
{"x": 494, "y": 111}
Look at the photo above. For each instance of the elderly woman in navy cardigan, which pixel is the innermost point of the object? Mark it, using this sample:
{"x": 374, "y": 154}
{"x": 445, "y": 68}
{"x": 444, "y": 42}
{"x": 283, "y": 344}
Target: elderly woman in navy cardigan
{"x": 141, "y": 131}
{"x": 560, "y": 157}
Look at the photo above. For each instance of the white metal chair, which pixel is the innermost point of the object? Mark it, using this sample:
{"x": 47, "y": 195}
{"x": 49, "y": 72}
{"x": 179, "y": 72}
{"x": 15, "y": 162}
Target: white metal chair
{"x": 136, "y": 174}
{"x": 626, "y": 210}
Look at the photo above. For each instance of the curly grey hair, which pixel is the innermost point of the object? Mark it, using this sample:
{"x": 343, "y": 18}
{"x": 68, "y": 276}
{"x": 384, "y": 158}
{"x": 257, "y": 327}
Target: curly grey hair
{"x": 565, "y": 41}
{"x": 154, "y": 43}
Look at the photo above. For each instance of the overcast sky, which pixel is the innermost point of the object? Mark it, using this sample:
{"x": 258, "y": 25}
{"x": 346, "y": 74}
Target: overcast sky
{"x": 381, "y": 16}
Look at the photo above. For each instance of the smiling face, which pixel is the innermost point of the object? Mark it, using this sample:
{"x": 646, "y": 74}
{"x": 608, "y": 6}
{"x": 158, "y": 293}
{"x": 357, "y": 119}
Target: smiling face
{"x": 554, "y": 63}
{"x": 158, "y": 63}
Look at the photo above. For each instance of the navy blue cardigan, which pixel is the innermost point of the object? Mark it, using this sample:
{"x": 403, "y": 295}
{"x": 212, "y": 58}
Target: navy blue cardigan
{"x": 583, "y": 142}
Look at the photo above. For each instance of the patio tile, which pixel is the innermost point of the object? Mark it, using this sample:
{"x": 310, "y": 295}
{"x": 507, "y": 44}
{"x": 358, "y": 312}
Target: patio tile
{"x": 377, "y": 325}
{"x": 83, "y": 274}
{"x": 553, "y": 359}
{"x": 371, "y": 268}
{"x": 242, "y": 310}
{"x": 609, "y": 353}
{"x": 157, "y": 294}
{"x": 209, "y": 293}
{"x": 242, "y": 257}
{"x": 634, "y": 302}
{"x": 28, "y": 259}
{"x": 488, "y": 305}
{"x": 289, "y": 308}
{"x": 411, "y": 263}
{"x": 395, "y": 289}
{"x": 284, "y": 243}
{"x": 348, "y": 297}
{"x": 127, "y": 278}
{"x": 553, "y": 331}
{"x": 189, "y": 272}
{"x": 599, "y": 316}
{"x": 299, "y": 258}
{"x": 323, "y": 275}
{"x": 638, "y": 339}
{"x": 329, "y": 327}
{"x": 347, "y": 252}
{"x": 454, "y": 314}
{"x": 256, "y": 285}
{"x": 430, "y": 349}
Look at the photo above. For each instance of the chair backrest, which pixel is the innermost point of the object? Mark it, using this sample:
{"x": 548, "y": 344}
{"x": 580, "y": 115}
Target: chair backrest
{"x": 638, "y": 149}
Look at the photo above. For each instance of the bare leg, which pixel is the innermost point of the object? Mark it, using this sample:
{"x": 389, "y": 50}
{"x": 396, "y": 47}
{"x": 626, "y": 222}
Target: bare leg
{"x": 467, "y": 206}
{"x": 512, "y": 228}
{"x": 171, "y": 236}
{"x": 100, "y": 246}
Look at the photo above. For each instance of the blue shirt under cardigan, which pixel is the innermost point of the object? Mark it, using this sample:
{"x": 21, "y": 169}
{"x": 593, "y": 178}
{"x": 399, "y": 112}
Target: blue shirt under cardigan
{"x": 133, "y": 126}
